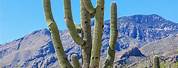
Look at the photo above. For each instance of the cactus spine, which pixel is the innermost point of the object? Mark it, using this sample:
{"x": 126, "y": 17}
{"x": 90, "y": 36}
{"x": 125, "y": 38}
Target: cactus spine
{"x": 90, "y": 46}
{"x": 156, "y": 62}
{"x": 113, "y": 37}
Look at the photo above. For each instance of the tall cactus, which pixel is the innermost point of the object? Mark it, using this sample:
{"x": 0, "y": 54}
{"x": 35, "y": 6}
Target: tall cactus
{"x": 98, "y": 13}
{"x": 113, "y": 37}
{"x": 90, "y": 46}
{"x": 86, "y": 28}
{"x": 61, "y": 56}
{"x": 156, "y": 62}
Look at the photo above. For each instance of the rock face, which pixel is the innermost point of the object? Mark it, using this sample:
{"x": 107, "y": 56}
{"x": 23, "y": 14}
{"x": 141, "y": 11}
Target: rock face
{"x": 133, "y": 52}
{"x": 165, "y": 47}
{"x": 36, "y": 49}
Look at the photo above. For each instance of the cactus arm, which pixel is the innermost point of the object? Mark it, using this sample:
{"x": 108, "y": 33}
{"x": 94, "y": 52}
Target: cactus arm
{"x": 75, "y": 62}
{"x": 97, "y": 35}
{"x": 61, "y": 56}
{"x": 89, "y": 7}
{"x": 70, "y": 23}
{"x": 113, "y": 37}
{"x": 48, "y": 12}
{"x": 86, "y": 28}
{"x": 156, "y": 63}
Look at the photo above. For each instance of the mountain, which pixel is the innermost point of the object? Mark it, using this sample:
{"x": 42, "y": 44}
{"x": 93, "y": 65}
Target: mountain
{"x": 135, "y": 33}
{"x": 166, "y": 48}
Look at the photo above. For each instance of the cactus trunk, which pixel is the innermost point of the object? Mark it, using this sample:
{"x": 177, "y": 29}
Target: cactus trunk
{"x": 97, "y": 35}
{"x": 113, "y": 37}
{"x": 86, "y": 30}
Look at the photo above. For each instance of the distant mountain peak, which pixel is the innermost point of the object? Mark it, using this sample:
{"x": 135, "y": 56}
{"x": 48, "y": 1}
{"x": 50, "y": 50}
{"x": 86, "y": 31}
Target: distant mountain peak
{"x": 153, "y": 15}
{"x": 37, "y": 49}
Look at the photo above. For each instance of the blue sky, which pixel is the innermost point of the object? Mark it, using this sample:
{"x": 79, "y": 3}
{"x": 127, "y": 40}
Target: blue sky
{"x": 21, "y": 17}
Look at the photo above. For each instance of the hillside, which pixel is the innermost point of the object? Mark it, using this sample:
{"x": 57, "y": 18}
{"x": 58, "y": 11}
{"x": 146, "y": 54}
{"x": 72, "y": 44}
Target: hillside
{"x": 136, "y": 33}
{"x": 166, "y": 48}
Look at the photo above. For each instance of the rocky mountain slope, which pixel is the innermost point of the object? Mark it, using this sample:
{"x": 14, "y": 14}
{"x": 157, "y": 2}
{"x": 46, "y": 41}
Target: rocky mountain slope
{"x": 135, "y": 32}
{"x": 166, "y": 48}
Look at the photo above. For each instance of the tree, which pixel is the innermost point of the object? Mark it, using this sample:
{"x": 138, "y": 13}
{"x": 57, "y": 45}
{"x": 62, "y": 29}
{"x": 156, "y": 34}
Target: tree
{"x": 90, "y": 45}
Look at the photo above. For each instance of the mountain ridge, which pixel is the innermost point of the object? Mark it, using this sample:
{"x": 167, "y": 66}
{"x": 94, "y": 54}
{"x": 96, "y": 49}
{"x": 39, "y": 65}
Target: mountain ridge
{"x": 134, "y": 31}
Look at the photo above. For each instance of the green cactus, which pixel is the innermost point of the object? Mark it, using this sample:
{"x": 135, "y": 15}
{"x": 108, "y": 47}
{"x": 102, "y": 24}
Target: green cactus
{"x": 156, "y": 62}
{"x": 86, "y": 29}
{"x": 61, "y": 56}
{"x": 113, "y": 37}
{"x": 90, "y": 46}
{"x": 70, "y": 24}
{"x": 98, "y": 13}
{"x": 89, "y": 7}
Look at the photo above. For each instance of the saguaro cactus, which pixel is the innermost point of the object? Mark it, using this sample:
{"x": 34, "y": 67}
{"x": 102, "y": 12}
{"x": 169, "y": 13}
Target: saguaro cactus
{"x": 156, "y": 63}
{"x": 113, "y": 37}
{"x": 90, "y": 46}
{"x": 97, "y": 35}
{"x": 86, "y": 29}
